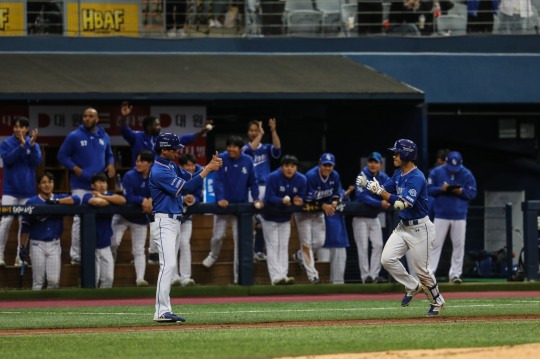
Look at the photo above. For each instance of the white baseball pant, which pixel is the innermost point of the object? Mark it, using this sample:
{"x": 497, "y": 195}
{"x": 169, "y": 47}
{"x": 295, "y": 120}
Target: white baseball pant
{"x": 183, "y": 246}
{"x": 5, "y": 223}
{"x": 311, "y": 233}
{"x": 338, "y": 261}
{"x": 165, "y": 230}
{"x": 220, "y": 227}
{"x": 138, "y": 240}
{"x": 104, "y": 267}
{"x": 276, "y": 238}
{"x": 410, "y": 267}
{"x": 152, "y": 248}
{"x": 75, "y": 249}
{"x": 46, "y": 263}
{"x": 457, "y": 228}
{"x": 367, "y": 230}
{"x": 418, "y": 240}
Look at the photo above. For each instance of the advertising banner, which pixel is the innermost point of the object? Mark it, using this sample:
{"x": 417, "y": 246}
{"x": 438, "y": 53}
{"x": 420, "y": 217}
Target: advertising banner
{"x": 102, "y": 19}
{"x": 11, "y": 19}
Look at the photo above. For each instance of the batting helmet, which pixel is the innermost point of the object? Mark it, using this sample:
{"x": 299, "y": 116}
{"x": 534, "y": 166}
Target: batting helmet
{"x": 167, "y": 141}
{"x": 405, "y": 148}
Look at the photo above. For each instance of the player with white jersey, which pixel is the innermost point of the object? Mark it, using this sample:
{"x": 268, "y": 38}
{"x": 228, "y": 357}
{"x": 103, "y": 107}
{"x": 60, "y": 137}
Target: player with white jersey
{"x": 167, "y": 182}
{"x": 324, "y": 191}
{"x": 368, "y": 229}
{"x": 284, "y": 187}
{"x": 453, "y": 185}
{"x": 137, "y": 192}
{"x": 407, "y": 192}
{"x": 182, "y": 276}
{"x": 231, "y": 185}
{"x": 85, "y": 152}
{"x": 44, "y": 233}
{"x": 20, "y": 155}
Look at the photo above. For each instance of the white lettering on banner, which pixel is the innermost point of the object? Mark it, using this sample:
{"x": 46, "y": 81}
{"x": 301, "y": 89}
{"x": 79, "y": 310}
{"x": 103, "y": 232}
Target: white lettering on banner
{"x": 180, "y": 120}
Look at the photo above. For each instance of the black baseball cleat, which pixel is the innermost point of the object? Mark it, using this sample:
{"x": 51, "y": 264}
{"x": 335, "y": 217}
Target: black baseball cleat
{"x": 434, "y": 311}
{"x": 408, "y": 297}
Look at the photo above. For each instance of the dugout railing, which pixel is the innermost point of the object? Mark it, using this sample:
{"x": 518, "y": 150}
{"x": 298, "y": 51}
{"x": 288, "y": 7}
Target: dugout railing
{"x": 245, "y": 212}
{"x": 530, "y": 240}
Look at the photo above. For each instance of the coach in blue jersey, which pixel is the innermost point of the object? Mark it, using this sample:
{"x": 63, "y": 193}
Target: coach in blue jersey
{"x": 44, "y": 233}
{"x": 167, "y": 183}
{"x": 284, "y": 187}
{"x": 453, "y": 186}
{"x": 324, "y": 191}
{"x": 407, "y": 192}
{"x": 231, "y": 185}
{"x": 21, "y": 155}
{"x": 146, "y": 139}
{"x": 367, "y": 229}
{"x": 137, "y": 192}
{"x": 85, "y": 152}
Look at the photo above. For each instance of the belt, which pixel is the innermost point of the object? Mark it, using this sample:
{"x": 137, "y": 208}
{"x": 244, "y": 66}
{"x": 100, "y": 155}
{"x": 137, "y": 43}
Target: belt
{"x": 414, "y": 222}
{"x": 177, "y": 216}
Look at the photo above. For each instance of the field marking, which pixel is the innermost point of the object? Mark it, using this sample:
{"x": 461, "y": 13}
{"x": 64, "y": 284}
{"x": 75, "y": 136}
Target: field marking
{"x": 516, "y": 303}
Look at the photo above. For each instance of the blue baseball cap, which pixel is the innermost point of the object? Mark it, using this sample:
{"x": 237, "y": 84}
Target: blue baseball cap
{"x": 454, "y": 161}
{"x": 375, "y": 156}
{"x": 328, "y": 159}
{"x": 167, "y": 141}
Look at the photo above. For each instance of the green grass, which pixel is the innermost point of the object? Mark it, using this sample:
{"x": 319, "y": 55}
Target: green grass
{"x": 270, "y": 342}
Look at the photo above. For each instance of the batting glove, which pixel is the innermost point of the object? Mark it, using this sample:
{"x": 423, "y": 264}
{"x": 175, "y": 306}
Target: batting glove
{"x": 361, "y": 180}
{"x": 374, "y": 186}
{"x": 400, "y": 205}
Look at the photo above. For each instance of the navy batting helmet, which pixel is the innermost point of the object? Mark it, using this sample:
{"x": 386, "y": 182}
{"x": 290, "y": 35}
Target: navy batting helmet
{"x": 167, "y": 141}
{"x": 405, "y": 148}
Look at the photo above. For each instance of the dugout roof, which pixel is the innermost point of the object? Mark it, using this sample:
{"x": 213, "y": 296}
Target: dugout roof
{"x": 195, "y": 77}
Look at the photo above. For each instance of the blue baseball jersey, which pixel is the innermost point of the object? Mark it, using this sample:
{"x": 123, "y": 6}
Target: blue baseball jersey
{"x": 196, "y": 192}
{"x": 235, "y": 178}
{"x": 91, "y": 151}
{"x": 411, "y": 187}
{"x": 140, "y": 141}
{"x": 44, "y": 228}
{"x": 136, "y": 189}
{"x": 279, "y": 186}
{"x": 19, "y": 178}
{"x": 362, "y": 195}
{"x": 261, "y": 159}
{"x": 323, "y": 190}
{"x": 449, "y": 205}
{"x": 167, "y": 183}
{"x": 103, "y": 224}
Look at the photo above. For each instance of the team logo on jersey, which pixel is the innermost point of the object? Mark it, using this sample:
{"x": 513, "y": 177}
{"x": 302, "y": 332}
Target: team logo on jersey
{"x": 281, "y": 188}
{"x": 295, "y": 190}
{"x": 412, "y": 192}
{"x": 331, "y": 183}
{"x": 101, "y": 142}
{"x": 28, "y": 151}
{"x": 244, "y": 170}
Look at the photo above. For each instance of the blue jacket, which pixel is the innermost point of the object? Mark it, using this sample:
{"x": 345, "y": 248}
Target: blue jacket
{"x": 19, "y": 179}
{"x": 323, "y": 190}
{"x": 140, "y": 141}
{"x": 261, "y": 159}
{"x": 90, "y": 151}
{"x": 44, "y": 228}
{"x": 235, "y": 178}
{"x": 103, "y": 225}
{"x": 167, "y": 183}
{"x": 362, "y": 195}
{"x": 279, "y": 186}
{"x": 136, "y": 189}
{"x": 449, "y": 205}
{"x": 412, "y": 188}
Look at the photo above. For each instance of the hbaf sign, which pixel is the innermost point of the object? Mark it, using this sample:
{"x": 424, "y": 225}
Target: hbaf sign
{"x": 11, "y": 19}
{"x": 103, "y": 19}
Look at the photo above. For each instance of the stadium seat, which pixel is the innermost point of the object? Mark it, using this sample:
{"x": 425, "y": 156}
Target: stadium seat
{"x": 349, "y": 17}
{"x": 300, "y": 18}
{"x": 449, "y": 25}
{"x": 331, "y": 15}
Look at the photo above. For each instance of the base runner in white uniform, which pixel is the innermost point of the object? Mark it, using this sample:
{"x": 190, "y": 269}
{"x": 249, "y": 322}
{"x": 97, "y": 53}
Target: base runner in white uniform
{"x": 407, "y": 192}
{"x": 167, "y": 181}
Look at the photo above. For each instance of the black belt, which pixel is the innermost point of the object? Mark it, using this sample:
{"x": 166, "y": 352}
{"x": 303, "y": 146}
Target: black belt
{"x": 152, "y": 218}
{"x": 413, "y": 222}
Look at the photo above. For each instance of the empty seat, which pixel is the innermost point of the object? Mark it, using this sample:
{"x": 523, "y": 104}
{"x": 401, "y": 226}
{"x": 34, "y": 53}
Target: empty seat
{"x": 303, "y": 22}
{"x": 451, "y": 25}
{"x": 331, "y": 15}
{"x": 349, "y": 17}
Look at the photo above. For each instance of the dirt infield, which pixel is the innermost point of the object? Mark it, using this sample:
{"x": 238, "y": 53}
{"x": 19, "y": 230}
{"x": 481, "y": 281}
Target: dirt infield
{"x": 51, "y": 303}
{"x": 523, "y": 351}
{"x": 180, "y": 326}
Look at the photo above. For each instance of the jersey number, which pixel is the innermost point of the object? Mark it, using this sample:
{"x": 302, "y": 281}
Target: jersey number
{"x": 84, "y": 143}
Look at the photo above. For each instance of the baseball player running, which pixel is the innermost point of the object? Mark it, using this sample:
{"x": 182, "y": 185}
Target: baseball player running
{"x": 231, "y": 185}
{"x": 86, "y": 152}
{"x": 44, "y": 233}
{"x": 284, "y": 187}
{"x": 407, "y": 192}
{"x": 368, "y": 229}
{"x": 167, "y": 182}
{"x": 453, "y": 186}
{"x": 21, "y": 155}
{"x": 136, "y": 191}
